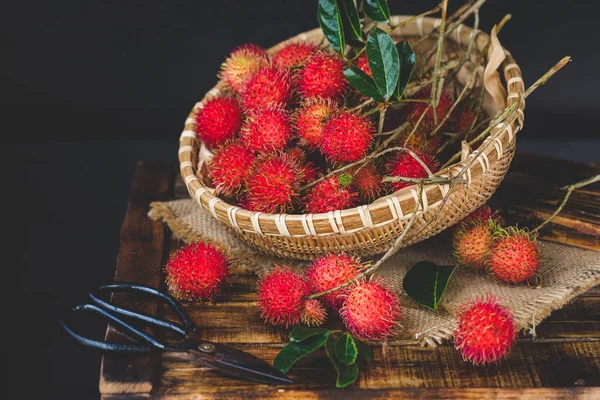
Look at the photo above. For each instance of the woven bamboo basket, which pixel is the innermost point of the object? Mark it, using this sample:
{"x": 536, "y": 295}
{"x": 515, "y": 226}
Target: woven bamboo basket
{"x": 369, "y": 229}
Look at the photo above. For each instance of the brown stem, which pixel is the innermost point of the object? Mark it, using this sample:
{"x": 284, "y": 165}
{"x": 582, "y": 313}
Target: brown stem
{"x": 414, "y": 18}
{"x": 547, "y": 75}
{"x": 570, "y": 189}
{"x": 438, "y": 60}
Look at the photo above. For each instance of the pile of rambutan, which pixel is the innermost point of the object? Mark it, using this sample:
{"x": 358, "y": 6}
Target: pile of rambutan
{"x": 370, "y": 310}
{"x": 510, "y": 254}
{"x": 288, "y": 118}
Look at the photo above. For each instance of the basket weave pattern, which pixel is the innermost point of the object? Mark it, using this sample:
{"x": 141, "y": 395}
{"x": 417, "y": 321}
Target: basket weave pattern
{"x": 368, "y": 229}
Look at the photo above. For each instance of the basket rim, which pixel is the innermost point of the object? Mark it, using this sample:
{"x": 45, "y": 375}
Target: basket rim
{"x": 400, "y": 204}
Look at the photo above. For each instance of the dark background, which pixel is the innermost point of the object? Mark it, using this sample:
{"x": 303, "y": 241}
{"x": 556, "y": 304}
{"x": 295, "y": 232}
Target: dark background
{"x": 88, "y": 88}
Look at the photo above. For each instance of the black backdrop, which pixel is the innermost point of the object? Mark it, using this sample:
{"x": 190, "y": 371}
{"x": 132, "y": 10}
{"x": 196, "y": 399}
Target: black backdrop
{"x": 89, "y": 87}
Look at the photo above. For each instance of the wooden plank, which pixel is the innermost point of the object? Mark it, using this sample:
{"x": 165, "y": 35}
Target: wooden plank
{"x": 531, "y": 192}
{"x": 140, "y": 260}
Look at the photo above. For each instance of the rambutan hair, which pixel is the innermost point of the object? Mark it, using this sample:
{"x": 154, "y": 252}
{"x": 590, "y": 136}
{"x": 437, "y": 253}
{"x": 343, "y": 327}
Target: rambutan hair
{"x": 485, "y": 331}
{"x": 407, "y": 166}
{"x": 331, "y": 195}
{"x": 282, "y": 294}
{"x": 472, "y": 244}
{"x": 309, "y": 119}
{"x": 313, "y": 313}
{"x": 362, "y": 62}
{"x": 229, "y": 168}
{"x": 294, "y": 54}
{"x": 346, "y": 137}
{"x": 515, "y": 255}
{"x": 267, "y": 130}
{"x": 218, "y": 120}
{"x": 266, "y": 87}
{"x": 417, "y": 109}
{"x": 197, "y": 271}
{"x": 372, "y": 311}
{"x": 272, "y": 184}
{"x": 322, "y": 76}
{"x": 241, "y": 64}
{"x": 368, "y": 183}
{"x": 331, "y": 271}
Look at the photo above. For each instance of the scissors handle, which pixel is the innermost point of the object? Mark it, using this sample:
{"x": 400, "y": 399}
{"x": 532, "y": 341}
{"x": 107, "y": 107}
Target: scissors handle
{"x": 113, "y": 313}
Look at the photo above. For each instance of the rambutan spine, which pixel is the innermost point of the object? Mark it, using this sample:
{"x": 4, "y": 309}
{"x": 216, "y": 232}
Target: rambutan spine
{"x": 322, "y": 76}
{"x": 406, "y": 165}
{"x": 267, "y": 87}
{"x": 218, "y": 120}
{"x": 331, "y": 195}
{"x": 282, "y": 295}
{"x": 267, "y": 130}
{"x": 229, "y": 168}
{"x": 346, "y": 137}
{"x": 328, "y": 272}
{"x": 515, "y": 255}
{"x": 241, "y": 64}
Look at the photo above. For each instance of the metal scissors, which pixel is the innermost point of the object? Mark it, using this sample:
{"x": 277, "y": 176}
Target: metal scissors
{"x": 222, "y": 358}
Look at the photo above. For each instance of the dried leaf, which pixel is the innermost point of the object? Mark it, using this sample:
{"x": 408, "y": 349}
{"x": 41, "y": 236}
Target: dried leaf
{"x": 491, "y": 77}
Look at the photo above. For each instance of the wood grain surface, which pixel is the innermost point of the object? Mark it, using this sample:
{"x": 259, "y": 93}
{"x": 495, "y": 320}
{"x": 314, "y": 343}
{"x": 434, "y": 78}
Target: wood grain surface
{"x": 562, "y": 362}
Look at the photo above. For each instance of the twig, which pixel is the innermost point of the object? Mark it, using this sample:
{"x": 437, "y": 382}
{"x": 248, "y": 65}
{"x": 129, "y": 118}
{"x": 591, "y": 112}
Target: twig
{"x": 382, "y": 112}
{"x": 425, "y": 181}
{"x": 413, "y": 18}
{"x": 570, "y": 189}
{"x": 438, "y": 59}
{"x": 547, "y": 75}
{"x": 362, "y": 105}
{"x": 414, "y": 129}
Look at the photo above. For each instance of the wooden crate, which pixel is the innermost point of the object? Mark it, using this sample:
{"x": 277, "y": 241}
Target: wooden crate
{"x": 562, "y": 362}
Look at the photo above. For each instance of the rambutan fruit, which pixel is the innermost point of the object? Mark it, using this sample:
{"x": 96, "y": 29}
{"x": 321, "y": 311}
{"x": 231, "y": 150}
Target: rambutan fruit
{"x": 485, "y": 332}
{"x": 363, "y": 64}
{"x": 331, "y": 195}
{"x": 272, "y": 184}
{"x": 313, "y": 313}
{"x": 241, "y": 64}
{"x": 267, "y": 130}
{"x": 282, "y": 295}
{"x": 472, "y": 243}
{"x": 515, "y": 256}
{"x": 229, "y": 168}
{"x": 294, "y": 54}
{"x": 310, "y": 118}
{"x": 331, "y": 271}
{"x": 368, "y": 184}
{"x": 371, "y": 311}
{"x": 481, "y": 214}
{"x": 418, "y": 108}
{"x": 420, "y": 140}
{"x": 464, "y": 120}
{"x": 218, "y": 120}
{"x": 197, "y": 271}
{"x": 405, "y": 165}
{"x": 346, "y": 137}
{"x": 322, "y": 76}
{"x": 267, "y": 87}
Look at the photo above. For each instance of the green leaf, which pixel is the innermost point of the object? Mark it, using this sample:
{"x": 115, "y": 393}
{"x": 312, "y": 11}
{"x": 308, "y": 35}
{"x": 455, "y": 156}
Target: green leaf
{"x": 364, "y": 350}
{"x": 345, "y": 349}
{"x": 330, "y": 21}
{"x": 294, "y": 351}
{"x": 407, "y": 62}
{"x": 351, "y": 21}
{"x": 383, "y": 61}
{"x": 377, "y": 10}
{"x": 346, "y": 374}
{"x": 426, "y": 283}
{"x": 362, "y": 82}
{"x": 300, "y": 333}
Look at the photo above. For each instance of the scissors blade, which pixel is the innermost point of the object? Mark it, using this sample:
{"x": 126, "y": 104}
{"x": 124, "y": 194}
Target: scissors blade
{"x": 237, "y": 363}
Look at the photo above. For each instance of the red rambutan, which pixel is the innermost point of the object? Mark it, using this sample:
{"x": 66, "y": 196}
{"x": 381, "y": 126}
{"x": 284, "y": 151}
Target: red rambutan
{"x": 367, "y": 182}
{"x": 313, "y": 313}
{"x": 405, "y": 165}
{"x": 331, "y": 195}
{"x": 229, "y": 168}
{"x": 464, "y": 120}
{"x": 241, "y": 64}
{"x": 330, "y": 271}
{"x": 267, "y": 130}
{"x": 310, "y": 118}
{"x": 282, "y": 294}
{"x": 322, "y": 76}
{"x": 218, "y": 120}
{"x": 481, "y": 214}
{"x": 371, "y": 311}
{"x": 515, "y": 256}
{"x": 485, "y": 332}
{"x": 346, "y": 137}
{"x": 418, "y": 108}
{"x": 472, "y": 243}
{"x": 294, "y": 54}
{"x": 267, "y": 87}
{"x": 272, "y": 184}
{"x": 363, "y": 64}
{"x": 197, "y": 271}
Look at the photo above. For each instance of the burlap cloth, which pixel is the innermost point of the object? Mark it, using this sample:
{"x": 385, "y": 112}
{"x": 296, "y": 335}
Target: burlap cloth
{"x": 566, "y": 272}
